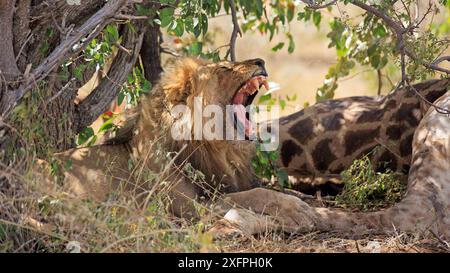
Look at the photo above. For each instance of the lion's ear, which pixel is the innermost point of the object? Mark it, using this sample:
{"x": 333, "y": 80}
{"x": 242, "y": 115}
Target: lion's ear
{"x": 180, "y": 80}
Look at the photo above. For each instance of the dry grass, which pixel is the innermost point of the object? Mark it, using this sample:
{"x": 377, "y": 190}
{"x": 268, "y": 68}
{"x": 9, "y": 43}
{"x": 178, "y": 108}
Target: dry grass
{"x": 37, "y": 216}
{"x": 334, "y": 242}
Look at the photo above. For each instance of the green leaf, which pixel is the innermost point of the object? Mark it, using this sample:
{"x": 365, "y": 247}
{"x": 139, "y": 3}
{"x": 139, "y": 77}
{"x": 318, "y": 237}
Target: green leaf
{"x": 120, "y": 98}
{"x": 204, "y": 20}
{"x": 146, "y": 86}
{"x": 107, "y": 125}
{"x": 179, "y": 28}
{"x": 278, "y": 46}
{"x": 282, "y": 104}
{"x": 166, "y": 16}
{"x": 49, "y": 32}
{"x": 283, "y": 178}
{"x": 195, "y": 48}
{"x": 92, "y": 141}
{"x": 305, "y": 16}
{"x": 189, "y": 24}
{"x": 375, "y": 61}
{"x": 265, "y": 98}
{"x": 78, "y": 72}
{"x": 317, "y": 18}
{"x": 141, "y": 10}
{"x": 372, "y": 49}
{"x": 293, "y": 98}
{"x": 69, "y": 164}
{"x": 112, "y": 33}
{"x": 291, "y": 47}
{"x": 84, "y": 135}
{"x": 44, "y": 47}
{"x": 290, "y": 13}
{"x": 379, "y": 31}
{"x": 259, "y": 8}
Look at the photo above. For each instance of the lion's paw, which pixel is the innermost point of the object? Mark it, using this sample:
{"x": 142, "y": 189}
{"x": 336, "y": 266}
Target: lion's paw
{"x": 223, "y": 229}
{"x": 294, "y": 215}
{"x": 242, "y": 222}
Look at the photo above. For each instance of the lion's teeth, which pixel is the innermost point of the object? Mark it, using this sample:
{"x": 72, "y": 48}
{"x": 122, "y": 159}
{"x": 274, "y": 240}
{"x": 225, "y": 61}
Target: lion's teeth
{"x": 254, "y": 84}
{"x": 266, "y": 84}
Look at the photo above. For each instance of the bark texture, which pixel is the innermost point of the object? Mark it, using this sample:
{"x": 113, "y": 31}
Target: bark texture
{"x": 39, "y": 36}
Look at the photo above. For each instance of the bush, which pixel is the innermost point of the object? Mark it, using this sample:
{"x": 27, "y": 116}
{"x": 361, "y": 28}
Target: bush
{"x": 366, "y": 189}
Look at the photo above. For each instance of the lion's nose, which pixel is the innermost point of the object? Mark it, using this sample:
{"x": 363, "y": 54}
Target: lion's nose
{"x": 261, "y": 63}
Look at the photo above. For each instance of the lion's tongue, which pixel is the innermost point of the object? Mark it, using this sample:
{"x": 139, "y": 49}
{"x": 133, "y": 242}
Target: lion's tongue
{"x": 240, "y": 98}
{"x": 240, "y": 113}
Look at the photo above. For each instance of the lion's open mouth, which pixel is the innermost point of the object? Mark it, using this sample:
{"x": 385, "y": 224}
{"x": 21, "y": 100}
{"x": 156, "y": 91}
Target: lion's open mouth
{"x": 244, "y": 97}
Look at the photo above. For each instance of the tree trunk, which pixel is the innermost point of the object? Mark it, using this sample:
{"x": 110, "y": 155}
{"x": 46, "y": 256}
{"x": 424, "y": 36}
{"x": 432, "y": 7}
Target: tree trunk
{"x": 49, "y": 116}
{"x": 151, "y": 53}
{"x": 8, "y": 64}
{"x": 57, "y": 114}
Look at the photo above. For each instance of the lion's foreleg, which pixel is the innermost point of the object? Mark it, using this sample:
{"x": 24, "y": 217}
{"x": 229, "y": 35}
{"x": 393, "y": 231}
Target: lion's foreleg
{"x": 259, "y": 210}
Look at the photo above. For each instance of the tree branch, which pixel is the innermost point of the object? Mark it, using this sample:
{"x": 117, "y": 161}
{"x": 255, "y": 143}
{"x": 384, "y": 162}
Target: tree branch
{"x": 439, "y": 109}
{"x": 398, "y": 28}
{"x": 312, "y": 5}
{"x": 151, "y": 47}
{"x": 75, "y": 14}
{"x": 41, "y": 19}
{"x": 236, "y": 31}
{"x": 71, "y": 45}
{"x": 101, "y": 97}
{"x": 440, "y": 60}
{"x": 400, "y": 32}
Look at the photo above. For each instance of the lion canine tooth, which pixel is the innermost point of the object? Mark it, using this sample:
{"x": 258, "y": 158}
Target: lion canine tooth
{"x": 254, "y": 83}
{"x": 266, "y": 84}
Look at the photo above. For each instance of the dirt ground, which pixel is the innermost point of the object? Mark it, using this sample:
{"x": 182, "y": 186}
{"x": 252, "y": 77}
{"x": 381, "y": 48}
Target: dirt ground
{"x": 335, "y": 243}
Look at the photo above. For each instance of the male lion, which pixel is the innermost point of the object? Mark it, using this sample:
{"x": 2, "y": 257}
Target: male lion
{"x": 100, "y": 170}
